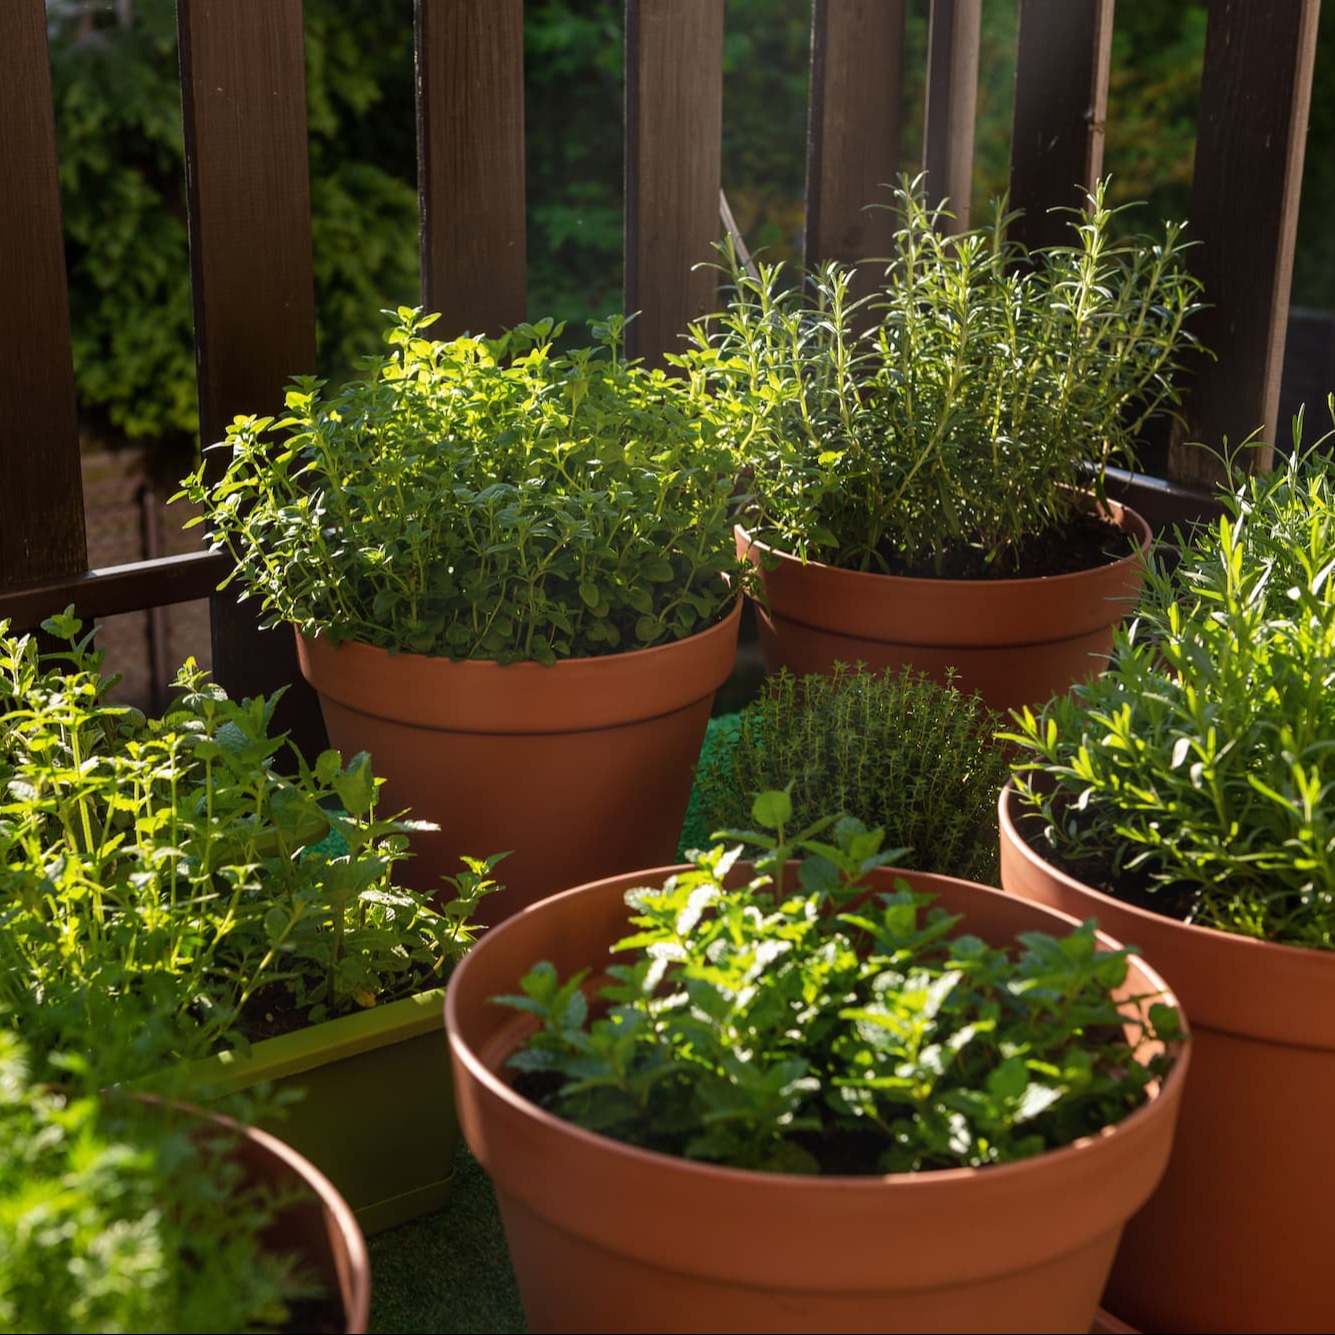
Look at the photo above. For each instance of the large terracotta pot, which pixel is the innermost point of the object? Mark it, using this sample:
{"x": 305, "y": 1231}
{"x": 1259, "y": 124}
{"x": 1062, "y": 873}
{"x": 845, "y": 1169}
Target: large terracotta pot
{"x": 1238, "y": 1236}
{"x": 579, "y": 769}
{"x": 1014, "y": 641}
{"x": 606, "y": 1237}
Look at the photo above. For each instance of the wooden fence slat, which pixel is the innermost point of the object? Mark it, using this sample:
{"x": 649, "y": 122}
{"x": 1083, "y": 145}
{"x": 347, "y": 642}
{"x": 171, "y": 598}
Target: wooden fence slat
{"x": 41, "y": 502}
{"x": 1251, "y": 131}
{"x": 243, "y": 83}
{"x": 854, "y": 124}
{"x": 674, "y": 132}
{"x": 470, "y": 153}
{"x": 952, "y": 99}
{"x": 1061, "y": 100}
{"x": 114, "y": 589}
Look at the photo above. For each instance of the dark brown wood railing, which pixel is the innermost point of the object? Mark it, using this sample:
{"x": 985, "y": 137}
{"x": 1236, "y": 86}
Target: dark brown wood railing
{"x": 243, "y": 94}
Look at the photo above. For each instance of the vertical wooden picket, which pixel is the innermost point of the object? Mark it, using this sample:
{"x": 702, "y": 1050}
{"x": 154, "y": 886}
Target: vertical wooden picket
{"x": 952, "y": 98}
{"x": 1251, "y": 132}
{"x": 243, "y": 80}
{"x": 41, "y": 501}
{"x": 1061, "y": 101}
{"x": 854, "y": 123}
{"x": 674, "y": 131}
{"x": 470, "y": 149}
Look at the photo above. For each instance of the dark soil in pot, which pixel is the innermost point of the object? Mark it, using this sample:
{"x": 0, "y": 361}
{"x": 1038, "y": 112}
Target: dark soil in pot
{"x": 1089, "y": 540}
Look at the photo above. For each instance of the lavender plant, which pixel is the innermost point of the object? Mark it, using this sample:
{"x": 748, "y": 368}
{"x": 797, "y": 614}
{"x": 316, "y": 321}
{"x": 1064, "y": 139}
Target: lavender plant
{"x": 1195, "y": 776}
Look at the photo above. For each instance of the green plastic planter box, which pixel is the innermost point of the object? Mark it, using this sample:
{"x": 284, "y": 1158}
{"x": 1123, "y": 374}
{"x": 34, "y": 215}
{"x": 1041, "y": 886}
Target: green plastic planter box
{"x": 377, "y": 1109}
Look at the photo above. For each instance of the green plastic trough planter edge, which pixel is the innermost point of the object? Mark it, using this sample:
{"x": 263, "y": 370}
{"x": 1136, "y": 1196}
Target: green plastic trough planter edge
{"x": 376, "y": 1114}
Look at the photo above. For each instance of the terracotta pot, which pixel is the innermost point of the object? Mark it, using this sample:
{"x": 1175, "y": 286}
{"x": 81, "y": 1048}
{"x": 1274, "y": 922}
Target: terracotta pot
{"x": 1015, "y": 641}
{"x": 582, "y": 769}
{"x": 1237, "y": 1237}
{"x": 606, "y": 1237}
{"x": 317, "y": 1226}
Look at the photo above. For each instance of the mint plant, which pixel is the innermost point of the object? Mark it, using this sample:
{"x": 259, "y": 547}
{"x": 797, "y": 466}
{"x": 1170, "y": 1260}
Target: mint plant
{"x": 815, "y": 1027}
{"x": 967, "y": 406}
{"x": 168, "y": 866}
{"x": 484, "y": 498}
{"x": 1194, "y": 777}
{"x": 899, "y": 751}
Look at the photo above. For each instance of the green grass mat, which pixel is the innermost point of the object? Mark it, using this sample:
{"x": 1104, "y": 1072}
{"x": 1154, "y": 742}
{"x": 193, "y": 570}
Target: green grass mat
{"x": 447, "y": 1271}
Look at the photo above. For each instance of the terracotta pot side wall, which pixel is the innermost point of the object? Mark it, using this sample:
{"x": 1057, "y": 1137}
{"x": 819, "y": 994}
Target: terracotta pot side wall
{"x": 1015, "y": 642}
{"x": 1242, "y": 1220}
{"x": 599, "y": 785}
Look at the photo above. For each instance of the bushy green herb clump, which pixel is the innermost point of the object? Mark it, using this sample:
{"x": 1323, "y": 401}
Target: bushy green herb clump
{"x": 1196, "y": 775}
{"x": 806, "y": 1029}
{"x": 484, "y": 499}
{"x": 969, "y": 403}
{"x": 895, "y": 749}
{"x": 165, "y": 867}
{"x": 115, "y": 1217}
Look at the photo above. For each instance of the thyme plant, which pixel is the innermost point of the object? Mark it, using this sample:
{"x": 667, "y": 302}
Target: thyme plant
{"x": 165, "y": 867}
{"x": 897, "y": 750}
{"x": 966, "y": 405}
{"x": 812, "y": 1028}
{"x": 1195, "y": 776}
{"x": 483, "y": 498}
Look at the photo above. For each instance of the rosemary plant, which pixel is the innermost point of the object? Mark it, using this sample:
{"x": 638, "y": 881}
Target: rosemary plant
{"x": 969, "y": 405}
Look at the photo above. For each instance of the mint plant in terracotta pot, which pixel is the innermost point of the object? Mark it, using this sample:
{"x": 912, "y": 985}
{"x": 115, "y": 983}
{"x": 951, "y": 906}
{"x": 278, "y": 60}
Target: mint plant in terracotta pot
{"x": 927, "y": 463}
{"x": 513, "y": 580}
{"x": 1184, "y": 799}
{"x": 825, "y": 1095}
{"x": 173, "y": 879}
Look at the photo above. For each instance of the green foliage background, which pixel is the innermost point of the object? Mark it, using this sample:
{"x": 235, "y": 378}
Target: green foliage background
{"x": 119, "y": 128}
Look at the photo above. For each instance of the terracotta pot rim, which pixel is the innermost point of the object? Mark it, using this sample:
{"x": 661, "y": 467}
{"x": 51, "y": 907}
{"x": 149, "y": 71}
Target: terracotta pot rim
{"x": 1132, "y": 523}
{"x": 1010, "y": 799}
{"x": 356, "y": 1295}
{"x": 481, "y": 696}
{"x": 490, "y": 665}
{"x": 1053, "y": 1161}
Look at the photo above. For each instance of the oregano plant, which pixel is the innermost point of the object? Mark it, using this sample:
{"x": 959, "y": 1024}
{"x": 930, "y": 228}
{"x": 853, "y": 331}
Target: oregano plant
{"x": 802, "y": 1024}
{"x": 484, "y": 498}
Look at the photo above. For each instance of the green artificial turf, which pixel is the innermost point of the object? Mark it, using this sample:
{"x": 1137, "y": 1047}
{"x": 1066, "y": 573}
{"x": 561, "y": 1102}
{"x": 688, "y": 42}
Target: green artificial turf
{"x": 698, "y": 825}
{"x": 450, "y": 1270}
{"x": 447, "y": 1271}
